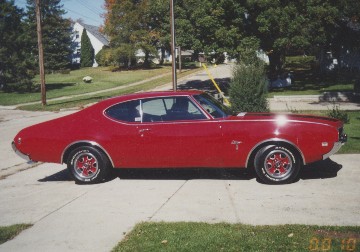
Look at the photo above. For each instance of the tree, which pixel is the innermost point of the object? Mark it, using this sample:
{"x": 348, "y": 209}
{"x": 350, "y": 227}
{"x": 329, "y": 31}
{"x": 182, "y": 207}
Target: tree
{"x": 347, "y": 35}
{"x": 160, "y": 21}
{"x": 210, "y": 26}
{"x": 15, "y": 66}
{"x": 285, "y": 25}
{"x": 87, "y": 51}
{"x": 56, "y": 34}
{"x": 128, "y": 24}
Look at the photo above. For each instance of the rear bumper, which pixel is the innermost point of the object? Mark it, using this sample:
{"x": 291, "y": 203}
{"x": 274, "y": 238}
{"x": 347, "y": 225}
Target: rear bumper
{"x": 337, "y": 146}
{"x": 19, "y": 153}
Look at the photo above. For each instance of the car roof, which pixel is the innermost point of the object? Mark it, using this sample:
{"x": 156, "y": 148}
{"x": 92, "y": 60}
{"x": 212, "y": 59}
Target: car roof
{"x": 143, "y": 95}
{"x": 154, "y": 94}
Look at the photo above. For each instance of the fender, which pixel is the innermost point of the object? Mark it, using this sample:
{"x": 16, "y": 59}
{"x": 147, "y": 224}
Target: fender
{"x": 277, "y": 140}
{"x": 87, "y": 142}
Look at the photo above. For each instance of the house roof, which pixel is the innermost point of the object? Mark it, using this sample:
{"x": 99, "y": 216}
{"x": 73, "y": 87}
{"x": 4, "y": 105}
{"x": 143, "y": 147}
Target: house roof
{"x": 95, "y": 31}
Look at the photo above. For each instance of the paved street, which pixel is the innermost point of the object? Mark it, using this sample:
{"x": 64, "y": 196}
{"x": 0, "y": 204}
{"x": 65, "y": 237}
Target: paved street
{"x": 70, "y": 217}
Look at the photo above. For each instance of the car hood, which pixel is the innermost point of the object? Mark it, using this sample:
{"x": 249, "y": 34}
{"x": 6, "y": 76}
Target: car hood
{"x": 288, "y": 118}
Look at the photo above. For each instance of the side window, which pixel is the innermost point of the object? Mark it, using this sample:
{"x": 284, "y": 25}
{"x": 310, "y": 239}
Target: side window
{"x": 181, "y": 108}
{"x": 127, "y": 111}
{"x": 170, "y": 109}
{"x": 210, "y": 107}
{"x": 153, "y": 110}
{"x": 156, "y": 110}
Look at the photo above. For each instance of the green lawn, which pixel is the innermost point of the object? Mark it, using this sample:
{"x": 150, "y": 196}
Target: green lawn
{"x": 9, "y": 232}
{"x": 184, "y": 236}
{"x": 78, "y": 102}
{"x": 308, "y": 82}
{"x": 59, "y": 85}
{"x": 353, "y": 131}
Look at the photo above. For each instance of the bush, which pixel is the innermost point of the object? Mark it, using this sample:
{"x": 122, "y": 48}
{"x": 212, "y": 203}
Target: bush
{"x": 104, "y": 57}
{"x": 338, "y": 114}
{"x": 19, "y": 87}
{"x": 248, "y": 88}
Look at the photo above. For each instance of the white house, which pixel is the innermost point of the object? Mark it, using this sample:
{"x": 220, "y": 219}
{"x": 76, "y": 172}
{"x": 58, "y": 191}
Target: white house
{"x": 97, "y": 39}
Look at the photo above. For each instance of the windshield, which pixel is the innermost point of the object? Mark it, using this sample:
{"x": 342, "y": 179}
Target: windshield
{"x": 213, "y": 106}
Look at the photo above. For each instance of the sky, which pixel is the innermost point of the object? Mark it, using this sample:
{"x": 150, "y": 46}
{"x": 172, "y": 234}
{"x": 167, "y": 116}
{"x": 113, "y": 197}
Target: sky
{"x": 88, "y": 10}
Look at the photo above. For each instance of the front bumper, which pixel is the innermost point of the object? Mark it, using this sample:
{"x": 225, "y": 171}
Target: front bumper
{"x": 19, "y": 153}
{"x": 337, "y": 146}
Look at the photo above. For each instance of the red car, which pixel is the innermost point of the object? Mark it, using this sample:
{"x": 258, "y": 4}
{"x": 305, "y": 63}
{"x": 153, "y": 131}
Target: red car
{"x": 179, "y": 129}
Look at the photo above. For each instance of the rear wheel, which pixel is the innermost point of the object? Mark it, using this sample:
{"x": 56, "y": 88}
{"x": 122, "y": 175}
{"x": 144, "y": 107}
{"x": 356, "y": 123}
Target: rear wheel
{"x": 277, "y": 165}
{"x": 88, "y": 165}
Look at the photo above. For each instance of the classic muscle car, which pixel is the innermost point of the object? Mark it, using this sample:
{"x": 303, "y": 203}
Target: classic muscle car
{"x": 183, "y": 129}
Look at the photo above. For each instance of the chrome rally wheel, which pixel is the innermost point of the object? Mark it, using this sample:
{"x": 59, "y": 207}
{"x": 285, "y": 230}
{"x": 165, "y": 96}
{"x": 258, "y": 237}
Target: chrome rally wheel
{"x": 88, "y": 165}
{"x": 277, "y": 165}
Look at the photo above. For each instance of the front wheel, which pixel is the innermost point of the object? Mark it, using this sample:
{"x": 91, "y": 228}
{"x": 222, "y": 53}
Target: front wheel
{"x": 277, "y": 165}
{"x": 88, "y": 165}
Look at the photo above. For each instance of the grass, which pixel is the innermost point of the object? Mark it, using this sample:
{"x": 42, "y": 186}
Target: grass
{"x": 306, "y": 82}
{"x": 59, "y": 85}
{"x": 9, "y": 232}
{"x": 78, "y": 102}
{"x": 187, "y": 236}
{"x": 353, "y": 132}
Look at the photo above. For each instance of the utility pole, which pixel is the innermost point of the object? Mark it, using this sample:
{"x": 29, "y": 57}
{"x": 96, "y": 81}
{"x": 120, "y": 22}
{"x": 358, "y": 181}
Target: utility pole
{"x": 41, "y": 53}
{"x": 179, "y": 52}
{"x": 173, "y": 48}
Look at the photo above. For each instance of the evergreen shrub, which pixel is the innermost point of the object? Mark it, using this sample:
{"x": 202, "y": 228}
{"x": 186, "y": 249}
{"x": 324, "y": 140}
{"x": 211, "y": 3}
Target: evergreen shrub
{"x": 248, "y": 87}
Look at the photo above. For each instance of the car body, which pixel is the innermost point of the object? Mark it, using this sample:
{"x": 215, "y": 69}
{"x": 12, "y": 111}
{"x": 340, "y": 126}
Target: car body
{"x": 178, "y": 130}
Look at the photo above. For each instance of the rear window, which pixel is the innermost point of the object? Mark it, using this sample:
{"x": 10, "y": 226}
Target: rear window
{"x": 127, "y": 111}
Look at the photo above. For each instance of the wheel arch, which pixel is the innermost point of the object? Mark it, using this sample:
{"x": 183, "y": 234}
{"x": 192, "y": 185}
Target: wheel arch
{"x": 277, "y": 142}
{"x": 74, "y": 145}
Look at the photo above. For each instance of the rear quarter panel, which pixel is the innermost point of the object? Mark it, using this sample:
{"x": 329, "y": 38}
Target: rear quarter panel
{"x": 307, "y": 136}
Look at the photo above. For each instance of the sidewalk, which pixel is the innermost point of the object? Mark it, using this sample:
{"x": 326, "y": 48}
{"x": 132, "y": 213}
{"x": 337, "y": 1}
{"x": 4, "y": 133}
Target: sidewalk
{"x": 307, "y": 102}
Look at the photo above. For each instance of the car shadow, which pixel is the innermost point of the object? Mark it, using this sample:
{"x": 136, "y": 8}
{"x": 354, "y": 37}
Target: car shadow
{"x": 320, "y": 170}
{"x": 183, "y": 174}
{"x": 62, "y": 175}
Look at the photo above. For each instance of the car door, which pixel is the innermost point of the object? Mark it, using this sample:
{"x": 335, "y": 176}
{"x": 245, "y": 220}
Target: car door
{"x": 123, "y": 125}
{"x": 175, "y": 133}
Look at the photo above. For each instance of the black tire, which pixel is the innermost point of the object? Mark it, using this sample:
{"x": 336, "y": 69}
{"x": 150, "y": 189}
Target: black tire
{"x": 277, "y": 165}
{"x": 88, "y": 165}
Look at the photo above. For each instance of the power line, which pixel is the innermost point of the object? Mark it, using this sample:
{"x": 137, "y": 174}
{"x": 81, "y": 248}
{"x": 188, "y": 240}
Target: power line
{"x": 94, "y": 7}
{"x": 87, "y": 7}
{"x": 81, "y": 15}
